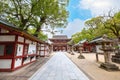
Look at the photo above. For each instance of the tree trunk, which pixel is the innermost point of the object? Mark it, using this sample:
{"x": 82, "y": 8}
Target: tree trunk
{"x": 37, "y": 31}
{"x": 39, "y": 27}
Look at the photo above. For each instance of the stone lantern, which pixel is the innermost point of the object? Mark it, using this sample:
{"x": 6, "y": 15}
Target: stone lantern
{"x": 107, "y": 49}
{"x": 80, "y": 48}
{"x": 71, "y": 43}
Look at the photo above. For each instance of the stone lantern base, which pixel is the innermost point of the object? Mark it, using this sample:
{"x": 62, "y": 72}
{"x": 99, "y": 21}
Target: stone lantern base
{"x": 109, "y": 67}
{"x": 81, "y": 57}
{"x": 72, "y": 53}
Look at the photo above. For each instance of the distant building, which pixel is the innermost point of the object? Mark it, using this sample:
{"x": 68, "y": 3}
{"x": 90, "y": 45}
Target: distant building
{"x": 98, "y": 43}
{"x": 85, "y": 45}
{"x": 59, "y": 42}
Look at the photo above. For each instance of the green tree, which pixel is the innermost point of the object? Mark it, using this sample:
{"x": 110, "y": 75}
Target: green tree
{"x": 41, "y": 36}
{"x": 52, "y": 14}
{"x": 112, "y": 23}
{"x": 100, "y": 25}
{"x": 76, "y": 37}
{"x": 18, "y": 12}
{"x": 84, "y": 34}
{"x": 35, "y": 13}
{"x": 92, "y": 25}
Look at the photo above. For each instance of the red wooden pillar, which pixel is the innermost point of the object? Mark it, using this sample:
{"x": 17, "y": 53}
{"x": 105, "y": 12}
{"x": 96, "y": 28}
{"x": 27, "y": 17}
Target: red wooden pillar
{"x": 44, "y": 50}
{"x": 14, "y": 53}
{"x": 37, "y": 49}
{"x": 23, "y": 52}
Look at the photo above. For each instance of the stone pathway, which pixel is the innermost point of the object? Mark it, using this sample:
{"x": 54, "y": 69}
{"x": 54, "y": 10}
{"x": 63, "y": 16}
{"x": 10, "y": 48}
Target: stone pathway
{"x": 59, "y": 67}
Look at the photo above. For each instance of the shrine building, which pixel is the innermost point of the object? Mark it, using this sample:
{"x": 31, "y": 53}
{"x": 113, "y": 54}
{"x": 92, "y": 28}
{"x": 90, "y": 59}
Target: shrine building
{"x": 59, "y": 42}
{"x": 18, "y": 48}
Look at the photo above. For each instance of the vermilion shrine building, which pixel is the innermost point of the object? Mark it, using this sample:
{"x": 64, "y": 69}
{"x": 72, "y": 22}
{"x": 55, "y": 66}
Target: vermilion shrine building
{"x": 86, "y": 46}
{"x": 60, "y": 43}
{"x": 18, "y": 48}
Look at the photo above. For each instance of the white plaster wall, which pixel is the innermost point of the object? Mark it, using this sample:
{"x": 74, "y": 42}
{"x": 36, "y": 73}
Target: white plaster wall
{"x": 35, "y": 43}
{"x": 18, "y": 62}
{"x": 28, "y": 41}
{"x": 98, "y": 49}
{"x": 46, "y": 52}
{"x": 42, "y": 48}
{"x": 19, "y": 50}
{"x": 20, "y": 39}
{"x": 27, "y": 60}
{"x": 42, "y": 53}
{"x": 7, "y": 38}
{"x": 5, "y": 63}
{"x": 4, "y": 31}
{"x": 42, "y": 44}
{"x": 32, "y": 49}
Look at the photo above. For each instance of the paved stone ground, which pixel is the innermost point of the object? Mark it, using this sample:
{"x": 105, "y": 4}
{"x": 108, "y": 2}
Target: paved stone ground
{"x": 59, "y": 67}
{"x": 25, "y": 72}
{"x": 91, "y": 67}
{"x": 88, "y": 65}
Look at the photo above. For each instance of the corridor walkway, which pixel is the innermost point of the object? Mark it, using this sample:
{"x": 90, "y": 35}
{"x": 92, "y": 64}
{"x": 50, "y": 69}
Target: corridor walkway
{"x": 59, "y": 67}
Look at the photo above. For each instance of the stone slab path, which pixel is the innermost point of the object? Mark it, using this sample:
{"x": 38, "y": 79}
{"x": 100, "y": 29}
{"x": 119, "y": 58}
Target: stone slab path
{"x": 59, "y": 67}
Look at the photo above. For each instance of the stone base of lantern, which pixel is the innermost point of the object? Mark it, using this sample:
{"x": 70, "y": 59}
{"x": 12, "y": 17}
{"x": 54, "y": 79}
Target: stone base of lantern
{"x": 72, "y": 53}
{"x": 109, "y": 67}
{"x": 81, "y": 57}
{"x": 69, "y": 52}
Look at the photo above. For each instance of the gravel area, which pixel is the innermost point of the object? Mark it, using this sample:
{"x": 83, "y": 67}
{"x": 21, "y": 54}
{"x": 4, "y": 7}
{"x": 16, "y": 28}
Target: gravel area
{"x": 90, "y": 67}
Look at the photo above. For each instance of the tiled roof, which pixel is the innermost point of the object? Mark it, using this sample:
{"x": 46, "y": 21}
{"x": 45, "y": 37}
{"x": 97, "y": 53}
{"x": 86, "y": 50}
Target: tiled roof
{"x": 100, "y": 39}
{"x": 7, "y": 23}
{"x": 14, "y": 28}
{"x": 60, "y": 37}
{"x": 80, "y": 42}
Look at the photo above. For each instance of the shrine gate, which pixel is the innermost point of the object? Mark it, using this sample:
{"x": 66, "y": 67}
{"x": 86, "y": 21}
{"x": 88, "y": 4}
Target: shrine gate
{"x": 59, "y": 42}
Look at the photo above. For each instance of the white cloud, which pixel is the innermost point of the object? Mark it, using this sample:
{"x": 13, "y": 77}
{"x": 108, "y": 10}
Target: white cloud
{"x": 100, "y": 7}
{"x": 97, "y": 7}
{"x": 73, "y": 27}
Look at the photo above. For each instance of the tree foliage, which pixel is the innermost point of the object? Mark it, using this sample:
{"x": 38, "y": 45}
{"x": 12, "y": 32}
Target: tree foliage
{"x": 35, "y": 13}
{"x": 84, "y": 34}
{"x": 97, "y": 26}
{"x": 112, "y": 23}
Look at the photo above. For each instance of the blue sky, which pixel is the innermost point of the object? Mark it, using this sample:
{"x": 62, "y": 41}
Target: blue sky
{"x": 76, "y": 12}
{"x": 82, "y": 10}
